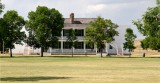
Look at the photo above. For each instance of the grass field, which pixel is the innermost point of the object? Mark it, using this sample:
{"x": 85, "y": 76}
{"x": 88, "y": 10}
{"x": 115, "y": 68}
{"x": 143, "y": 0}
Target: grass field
{"x": 79, "y": 69}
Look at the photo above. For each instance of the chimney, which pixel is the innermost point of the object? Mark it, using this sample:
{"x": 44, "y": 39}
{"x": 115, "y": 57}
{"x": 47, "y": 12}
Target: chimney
{"x": 72, "y": 18}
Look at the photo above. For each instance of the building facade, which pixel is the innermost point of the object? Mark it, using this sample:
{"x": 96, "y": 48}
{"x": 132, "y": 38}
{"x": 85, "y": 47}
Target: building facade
{"x": 79, "y": 25}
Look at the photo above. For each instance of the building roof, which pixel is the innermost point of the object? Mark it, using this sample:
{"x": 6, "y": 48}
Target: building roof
{"x": 78, "y": 23}
{"x": 76, "y": 26}
{"x": 79, "y": 20}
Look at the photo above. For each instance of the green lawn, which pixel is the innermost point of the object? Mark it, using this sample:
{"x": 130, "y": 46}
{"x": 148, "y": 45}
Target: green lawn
{"x": 92, "y": 69}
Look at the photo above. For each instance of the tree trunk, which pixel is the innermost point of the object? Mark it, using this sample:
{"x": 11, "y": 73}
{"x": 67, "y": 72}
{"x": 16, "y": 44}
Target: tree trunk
{"x": 130, "y": 54}
{"x": 42, "y": 51}
{"x": 11, "y": 52}
{"x": 101, "y": 52}
{"x": 3, "y": 47}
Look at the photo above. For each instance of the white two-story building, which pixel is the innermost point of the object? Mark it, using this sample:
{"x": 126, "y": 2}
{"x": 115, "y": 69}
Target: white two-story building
{"x": 79, "y": 25}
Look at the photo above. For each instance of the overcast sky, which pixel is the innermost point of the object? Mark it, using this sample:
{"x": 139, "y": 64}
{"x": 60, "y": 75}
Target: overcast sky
{"x": 121, "y": 12}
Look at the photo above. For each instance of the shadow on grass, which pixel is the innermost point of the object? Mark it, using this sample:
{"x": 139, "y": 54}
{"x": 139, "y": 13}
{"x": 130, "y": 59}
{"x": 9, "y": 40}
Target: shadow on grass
{"x": 4, "y": 57}
{"x": 34, "y": 56}
{"x": 69, "y": 56}
{"x": 130, "y": 57}
{"x": 19, "y": 56}
{"x": 31, "y": 78}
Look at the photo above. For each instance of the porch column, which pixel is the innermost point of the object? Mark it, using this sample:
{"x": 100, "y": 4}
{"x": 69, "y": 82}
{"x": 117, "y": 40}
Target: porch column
{"x": 122, "y": 49}
{"x": 117, "y": 49}
{"x": 73, "y": 49}
{"x": 106, "y": 49}
{"x": 50, "y": 50}
{"x": 62, "y": 42}
{"x": 84, "y": 47}
{"x": 95, "y": 47}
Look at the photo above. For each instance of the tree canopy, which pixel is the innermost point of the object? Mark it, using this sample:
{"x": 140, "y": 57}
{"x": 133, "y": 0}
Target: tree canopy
{"x": 129, "y": 38}
{"x": 12, "y": 24}
{"x": 149, "y": 26}
{"x": 101, "y": 31}
{"x": 44, "y": 26}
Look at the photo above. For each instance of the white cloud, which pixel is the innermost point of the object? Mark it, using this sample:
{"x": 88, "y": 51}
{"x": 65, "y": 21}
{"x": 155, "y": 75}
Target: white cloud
{"x": 94, "y": 8}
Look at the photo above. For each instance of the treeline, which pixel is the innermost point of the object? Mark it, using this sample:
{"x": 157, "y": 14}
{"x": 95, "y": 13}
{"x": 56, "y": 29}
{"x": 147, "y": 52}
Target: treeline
{"x": 44, "y": 26}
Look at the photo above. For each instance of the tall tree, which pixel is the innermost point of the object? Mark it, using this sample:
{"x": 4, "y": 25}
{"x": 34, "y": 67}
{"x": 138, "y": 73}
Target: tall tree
{"x": 129, "y": 38}
{"x": 3, "y": 30}
{"x": 44, "y": 26}
{"x": 72, "y": 39}
{"x": 149, "y": 26}
{"x": 1, "y": 22}
{"x": 1, "y": 39}
{"x": 12, "y": 34}
{"x": 101, "y": 31}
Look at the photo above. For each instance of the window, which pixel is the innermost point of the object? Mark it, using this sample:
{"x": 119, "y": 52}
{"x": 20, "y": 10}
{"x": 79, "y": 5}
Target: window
{"x": 79, "y": 32}
{"x": 110, "y": 47}
{"x": 66, "y": 45}
{"x": 90, "y": 46}
{"x": 65, "y": 32}
{"x": 79, "y": 45}
{"x": 58, "y": 45}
